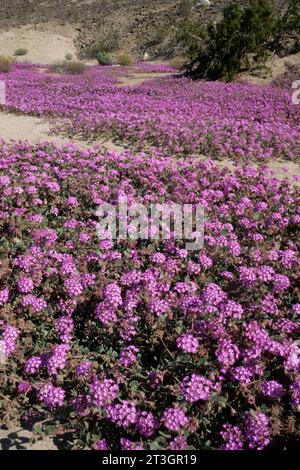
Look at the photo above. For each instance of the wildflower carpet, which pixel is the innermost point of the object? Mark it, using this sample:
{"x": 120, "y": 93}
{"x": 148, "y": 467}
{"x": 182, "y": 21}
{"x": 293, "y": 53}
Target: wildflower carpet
{"x": 143, "y": 344}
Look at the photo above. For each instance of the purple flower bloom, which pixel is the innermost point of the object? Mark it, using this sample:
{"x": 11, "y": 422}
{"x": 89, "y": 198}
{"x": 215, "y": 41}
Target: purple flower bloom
{"x": 256, "y": 430}
{"x": 174, "y": 419}
{"x": 52, "y": 397}
{"x": 272, "y": 389}
{"x": 233, "y": 438}
{"x": 123, "y": 414}
{"x": 196, "y": 388}
{"x": 103, "y": 392}
{"x": 128, "y": 355}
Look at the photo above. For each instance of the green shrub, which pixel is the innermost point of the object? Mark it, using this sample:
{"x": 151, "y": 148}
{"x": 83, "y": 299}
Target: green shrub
{"x": 288, "y": 26}
{"x": 243, "y": 38}
{"x": 21, "y": 51}
{"x": 68, "y": 56}
{"x": 5, "y": 63}
{"x": 125, "y": 59}
{"x": 103, "y": 58}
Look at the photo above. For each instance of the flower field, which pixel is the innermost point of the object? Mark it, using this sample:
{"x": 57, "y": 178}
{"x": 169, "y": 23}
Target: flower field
{"x": 177, "y": 116}
{"x": 143, "y": 344}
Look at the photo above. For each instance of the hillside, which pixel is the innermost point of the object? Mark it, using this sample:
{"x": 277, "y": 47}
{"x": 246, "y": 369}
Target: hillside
{"x": 137, "y": 25}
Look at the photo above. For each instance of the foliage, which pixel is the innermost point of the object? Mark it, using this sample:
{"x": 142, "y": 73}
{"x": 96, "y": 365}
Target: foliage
{"x": 74, "y": 67}
{"x": 288, "y": 25}
{"x": 103, "y": 58}
{"x": 66, "y": 66}
{"x": 142, "y": 344}
{"x": 57, "y": 67}
{"x": 5, "y": 63}
{"x": 242, "y": 38}
{"x": 21, "y": 51}
{"x": 68, "y": 56}
{"x": 125, "y": 59}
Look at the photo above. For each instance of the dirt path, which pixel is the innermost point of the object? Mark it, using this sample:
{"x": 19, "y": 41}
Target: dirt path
{"x": 137, "y": 78}
{"x": 35, "y": 130}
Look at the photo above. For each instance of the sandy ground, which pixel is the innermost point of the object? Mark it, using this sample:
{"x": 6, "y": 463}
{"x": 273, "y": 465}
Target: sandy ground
{"x": 46, "y": 43}
{"x": 20, "y": 439}
{"x": 35, "y": 130}
{"x": 137, "y": 78}
{"x": 275, "y": 66}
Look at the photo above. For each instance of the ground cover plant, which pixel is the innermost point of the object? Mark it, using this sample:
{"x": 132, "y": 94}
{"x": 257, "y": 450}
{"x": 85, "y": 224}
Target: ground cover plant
{"x": 173, "y": 113}
{"x": 145, "y": 345}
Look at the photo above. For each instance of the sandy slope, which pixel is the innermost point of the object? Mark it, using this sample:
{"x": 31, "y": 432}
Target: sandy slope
{"x": 275, "y": 66}
{"x": 46, "y": 43}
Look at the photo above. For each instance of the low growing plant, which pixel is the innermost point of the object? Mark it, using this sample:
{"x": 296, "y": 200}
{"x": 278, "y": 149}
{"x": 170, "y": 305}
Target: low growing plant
{"x": 5, "y": 63}
{"x": 21, "y": 51}
{"x": 74, "y": 67}
{"x": 103, "y": 58}
{"x": 67, "y": 66}
{"x": 125, "y": 59}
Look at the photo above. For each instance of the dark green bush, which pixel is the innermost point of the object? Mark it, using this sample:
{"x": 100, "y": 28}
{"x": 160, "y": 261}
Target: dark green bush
{"x": 103, "y": 58}
{"x": 21, "y": 51}
{"x": 242, "y": 39}
{"x": 288, "y": 26}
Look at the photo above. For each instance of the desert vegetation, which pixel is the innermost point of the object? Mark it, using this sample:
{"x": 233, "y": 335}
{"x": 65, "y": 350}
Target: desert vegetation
{"x": 21, "y": 51}
{"x": 242, "y": 39}
{"x": 5, "y": 63}
{"x": 141, "y": 343}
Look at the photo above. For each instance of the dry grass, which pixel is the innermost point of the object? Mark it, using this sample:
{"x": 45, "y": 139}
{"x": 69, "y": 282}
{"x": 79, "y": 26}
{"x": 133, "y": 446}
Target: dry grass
{"x": 66, "y": 66}
{"x": 6, "y": 62}
{"x": 125, "y": 59}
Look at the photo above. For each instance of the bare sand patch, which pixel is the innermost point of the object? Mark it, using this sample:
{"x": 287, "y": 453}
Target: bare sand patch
{"x": 275, "y": 66}
{"x": 21, "y": 127}
{"x": 136, "y": 78}
{"x": 46, "y": 43}
{"x": 279, "y": 168}
{"x": 16, "y": 438}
